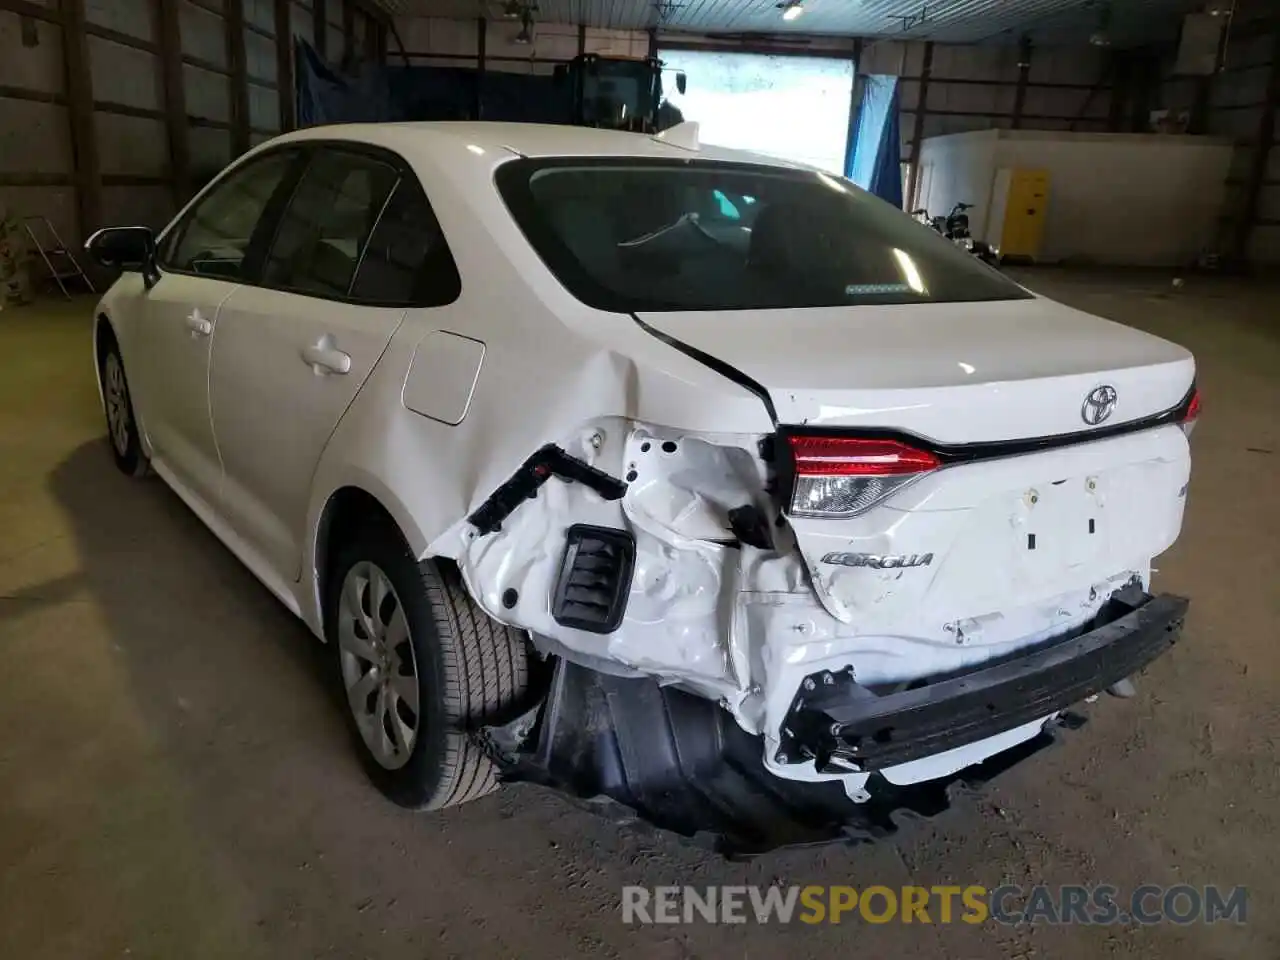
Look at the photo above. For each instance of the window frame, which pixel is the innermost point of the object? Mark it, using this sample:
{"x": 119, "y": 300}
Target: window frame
{"x": 173, "y": 235}
{"x": 312, "y": 155}
{"x": 268, "y": 226}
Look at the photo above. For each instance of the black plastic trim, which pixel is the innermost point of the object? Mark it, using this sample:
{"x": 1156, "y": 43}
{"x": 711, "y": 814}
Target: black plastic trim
{"x": 612, "y": 586}
{"x": 549, "y": 461}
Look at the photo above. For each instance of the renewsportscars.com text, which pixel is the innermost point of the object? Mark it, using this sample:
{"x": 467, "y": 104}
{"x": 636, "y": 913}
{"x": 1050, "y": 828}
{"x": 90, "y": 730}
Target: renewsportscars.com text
{"x": 973, "y": 904}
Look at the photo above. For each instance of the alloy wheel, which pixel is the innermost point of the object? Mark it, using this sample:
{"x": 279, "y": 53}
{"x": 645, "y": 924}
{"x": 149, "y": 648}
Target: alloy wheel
{"x": 379, "y": 669}
{"x": 116, "y": 395}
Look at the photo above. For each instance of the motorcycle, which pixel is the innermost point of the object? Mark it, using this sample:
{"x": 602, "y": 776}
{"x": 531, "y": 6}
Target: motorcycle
{"x": 955, "y": 227}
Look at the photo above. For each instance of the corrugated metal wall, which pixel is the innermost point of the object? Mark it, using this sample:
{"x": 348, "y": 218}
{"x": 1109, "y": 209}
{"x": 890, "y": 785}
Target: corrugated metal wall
{"x": 440, "y": 41}
{"x": 950, "y": 88}
{"x": 967, "y": 87}
{"x": 1240, "y": 102}
{"x": 951, "y": 21}
{"x": 114, "y": 111}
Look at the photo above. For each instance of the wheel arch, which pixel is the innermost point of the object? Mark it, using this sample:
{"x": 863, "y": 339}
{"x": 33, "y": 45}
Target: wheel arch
{"x": 104, "y": 334}
{"x": 360, "y": 500}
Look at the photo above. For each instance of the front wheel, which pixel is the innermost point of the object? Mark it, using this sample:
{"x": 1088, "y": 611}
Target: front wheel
{"x": 122, "y": 425}
{"x": 421, "y": 668}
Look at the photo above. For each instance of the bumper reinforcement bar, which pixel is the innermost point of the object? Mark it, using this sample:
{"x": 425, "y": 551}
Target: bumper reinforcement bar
{"x": 833, "y": 716}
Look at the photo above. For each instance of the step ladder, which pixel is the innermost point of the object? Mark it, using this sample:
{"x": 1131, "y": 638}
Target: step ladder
{"x": 62, "y": 264}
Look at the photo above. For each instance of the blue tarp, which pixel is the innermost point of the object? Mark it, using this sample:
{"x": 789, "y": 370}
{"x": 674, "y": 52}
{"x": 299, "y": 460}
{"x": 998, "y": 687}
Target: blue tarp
{"x": 875, "y": 160}
{"x": 326, "y": 95}
{"x": 374, "y": 93}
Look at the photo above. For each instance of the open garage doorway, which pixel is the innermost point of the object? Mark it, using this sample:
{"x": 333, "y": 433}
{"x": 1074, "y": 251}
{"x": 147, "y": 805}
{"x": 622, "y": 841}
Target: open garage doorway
{"x": 786, "y": 106}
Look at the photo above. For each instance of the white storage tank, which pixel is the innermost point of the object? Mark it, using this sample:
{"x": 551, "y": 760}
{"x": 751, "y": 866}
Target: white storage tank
{"x": 1128, "y": 199}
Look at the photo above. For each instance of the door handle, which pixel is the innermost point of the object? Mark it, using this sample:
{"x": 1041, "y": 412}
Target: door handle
{"x": 198, "y": 325}
{"x": 323, "y": 357}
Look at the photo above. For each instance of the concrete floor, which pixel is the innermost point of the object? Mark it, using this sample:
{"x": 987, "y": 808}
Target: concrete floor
{"x": 176, "y": 782}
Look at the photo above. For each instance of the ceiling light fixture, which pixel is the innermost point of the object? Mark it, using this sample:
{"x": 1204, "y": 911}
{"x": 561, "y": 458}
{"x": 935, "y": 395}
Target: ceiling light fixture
{"x": 1101, "y": 37}
{"x": 791, "y": 9}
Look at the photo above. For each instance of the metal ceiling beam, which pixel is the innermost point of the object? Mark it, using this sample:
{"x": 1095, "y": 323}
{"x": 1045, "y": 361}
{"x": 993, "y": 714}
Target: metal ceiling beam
{"x": 84, "y": 136}
{"x": 284, "y": 65}
{"x": 320, "y": 28}
{"x": 175, "y": 107}
{"x": 238, "y": 69}
{"x": 917, "y": 135}
{"x": 1024, "y": 74}
{"x": 1262, "y": 148}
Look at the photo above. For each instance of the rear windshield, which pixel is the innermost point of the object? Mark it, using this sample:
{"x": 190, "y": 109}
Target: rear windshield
{"x": 636, "y": 235}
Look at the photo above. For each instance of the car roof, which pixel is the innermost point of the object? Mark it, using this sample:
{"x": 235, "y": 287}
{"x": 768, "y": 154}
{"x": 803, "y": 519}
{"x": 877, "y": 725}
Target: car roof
{"x": 524, "y": 139}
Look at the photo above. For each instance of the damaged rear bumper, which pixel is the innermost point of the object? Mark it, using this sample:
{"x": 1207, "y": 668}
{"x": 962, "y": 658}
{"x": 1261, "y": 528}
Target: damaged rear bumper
{"x": 833, "y": 718}
{"x": 682, "y": 763}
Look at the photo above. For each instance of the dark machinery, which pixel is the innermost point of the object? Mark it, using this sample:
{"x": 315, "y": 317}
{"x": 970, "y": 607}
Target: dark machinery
{"x": 955, "y": 227}
{"x": 619, "y": 93}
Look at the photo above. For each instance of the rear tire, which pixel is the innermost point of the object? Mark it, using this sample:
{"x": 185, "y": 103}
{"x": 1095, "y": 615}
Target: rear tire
{"x": 122, "y": 425}
{"x": 468, "y": 670}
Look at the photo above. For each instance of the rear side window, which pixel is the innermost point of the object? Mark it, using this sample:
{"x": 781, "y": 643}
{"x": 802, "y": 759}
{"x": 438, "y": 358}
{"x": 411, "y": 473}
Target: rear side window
{"x": 328, "y": 222}
{"x": 407, "y": 260}
{"x": 668, "y": 235}
{"x": 214, "y": 236}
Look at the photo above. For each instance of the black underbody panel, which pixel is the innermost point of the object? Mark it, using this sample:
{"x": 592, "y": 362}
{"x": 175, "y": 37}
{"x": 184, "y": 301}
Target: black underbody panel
{"x": 636, "y": 750}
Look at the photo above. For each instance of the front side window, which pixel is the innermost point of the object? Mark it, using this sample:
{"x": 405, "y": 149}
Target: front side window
{"x": 328, "y": 221}
{"x": 214, "y": 236}
{"x": 666, "y": 235}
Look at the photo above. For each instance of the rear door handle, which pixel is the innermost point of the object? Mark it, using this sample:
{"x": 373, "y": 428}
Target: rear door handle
{"x": 324, "y": 357}
{"x": 198, "y": 325}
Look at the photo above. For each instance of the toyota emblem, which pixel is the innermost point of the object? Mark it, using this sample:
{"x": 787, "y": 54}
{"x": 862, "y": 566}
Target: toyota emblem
{"x": 1099, "y": 404}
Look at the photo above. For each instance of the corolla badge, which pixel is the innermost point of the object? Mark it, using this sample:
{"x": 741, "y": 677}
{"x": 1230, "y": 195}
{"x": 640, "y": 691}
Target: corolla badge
{"x": 1099, "y": 404}
{"x": 877, "y": 562}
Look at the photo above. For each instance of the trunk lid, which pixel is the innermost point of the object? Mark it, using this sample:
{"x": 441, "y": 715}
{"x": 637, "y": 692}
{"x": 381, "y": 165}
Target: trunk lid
{"x": 981, "y": 550}
{"x": 950, "y": 372}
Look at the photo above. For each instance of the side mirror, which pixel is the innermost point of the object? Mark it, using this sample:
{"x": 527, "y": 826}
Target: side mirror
{"x": 680, "y": 83}
{"x": 125, "y": 248}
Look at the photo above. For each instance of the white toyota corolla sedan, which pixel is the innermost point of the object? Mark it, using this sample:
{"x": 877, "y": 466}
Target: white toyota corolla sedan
{"x": 684, "y": 477}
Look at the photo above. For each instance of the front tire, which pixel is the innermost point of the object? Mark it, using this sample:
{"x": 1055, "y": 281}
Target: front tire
{"x": 122, "y": 425}
{"x": 421, "y": 667}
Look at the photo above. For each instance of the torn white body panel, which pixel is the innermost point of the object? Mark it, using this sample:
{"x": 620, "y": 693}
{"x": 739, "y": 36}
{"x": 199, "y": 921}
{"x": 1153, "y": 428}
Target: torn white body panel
{"x": 685, "y": 579}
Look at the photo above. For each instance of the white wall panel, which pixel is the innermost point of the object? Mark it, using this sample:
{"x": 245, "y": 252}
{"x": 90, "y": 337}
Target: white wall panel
{"x": 131, "y": 145}
{"x": 34, "y": 137}
{"x": 133, "y": 17}
{"x": 208, "y": 94}
{"x": 34, "y": 68}
{"x": 204, "y": 34}
{"x": 124, "y": 74}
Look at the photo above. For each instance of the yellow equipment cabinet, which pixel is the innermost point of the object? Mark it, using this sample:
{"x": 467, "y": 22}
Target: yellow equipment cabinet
{"x": 1019, "y": 205}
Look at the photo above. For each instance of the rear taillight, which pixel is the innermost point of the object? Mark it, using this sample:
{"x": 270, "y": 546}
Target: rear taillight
{"x": 845, "y": 476}
{"x": 1189, "y": 418}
